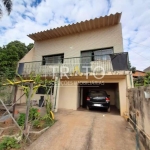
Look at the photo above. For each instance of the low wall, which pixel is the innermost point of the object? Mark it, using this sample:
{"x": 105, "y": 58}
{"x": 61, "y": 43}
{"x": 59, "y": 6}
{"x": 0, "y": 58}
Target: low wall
{"x": 139, "y": 111}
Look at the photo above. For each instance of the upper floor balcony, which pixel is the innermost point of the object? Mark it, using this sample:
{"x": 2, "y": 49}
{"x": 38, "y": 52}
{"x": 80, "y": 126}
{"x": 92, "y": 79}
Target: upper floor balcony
{"x": 50, "y": 66}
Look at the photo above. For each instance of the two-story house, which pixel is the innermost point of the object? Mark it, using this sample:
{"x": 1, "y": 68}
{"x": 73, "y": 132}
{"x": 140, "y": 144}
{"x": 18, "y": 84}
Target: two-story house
{"x": 81, "y": 56}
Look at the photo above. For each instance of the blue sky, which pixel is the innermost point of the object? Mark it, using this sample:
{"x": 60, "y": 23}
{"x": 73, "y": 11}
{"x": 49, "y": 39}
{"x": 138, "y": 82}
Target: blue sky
{"x": 29, "y": 16}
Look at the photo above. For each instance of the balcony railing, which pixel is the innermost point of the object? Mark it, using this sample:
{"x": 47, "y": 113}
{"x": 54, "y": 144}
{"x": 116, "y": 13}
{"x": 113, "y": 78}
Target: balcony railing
{"x": 76, "y": 65}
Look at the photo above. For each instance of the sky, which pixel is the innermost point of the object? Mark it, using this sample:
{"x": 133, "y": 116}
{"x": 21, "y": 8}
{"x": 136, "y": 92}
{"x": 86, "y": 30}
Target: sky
{"x": 30, "y": 16}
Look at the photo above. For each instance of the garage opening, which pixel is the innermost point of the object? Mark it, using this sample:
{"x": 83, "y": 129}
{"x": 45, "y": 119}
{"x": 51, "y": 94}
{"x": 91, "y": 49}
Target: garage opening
{"x": 112, "y": 89}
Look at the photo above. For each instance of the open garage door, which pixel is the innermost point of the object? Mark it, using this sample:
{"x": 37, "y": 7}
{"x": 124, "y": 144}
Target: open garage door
{"x": 111, "y": 89}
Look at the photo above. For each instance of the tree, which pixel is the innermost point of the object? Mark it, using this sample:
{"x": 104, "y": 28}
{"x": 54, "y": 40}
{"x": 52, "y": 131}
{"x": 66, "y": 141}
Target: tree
{"x": 142, "y": 81}
{"x": 8, "y": 59}
{"x": 139, "y": 81}
{"x": 147, "y": 79}
{"x": 8, "y": 6}
{"x": 10, "y": 54}
{"x": 30, "y": 46}
{"x": 131, "y": 68}
{"x": 19, "y": 47}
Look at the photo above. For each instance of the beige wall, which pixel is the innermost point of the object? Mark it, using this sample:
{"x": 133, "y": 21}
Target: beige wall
{"x": 19, "y": 94}
{"x": 71, "y": 45}
{"x": 35, "y": 96}
{"x": 112, "y": 95}
{"x": 68, "y": 96}
{"x": 29, "y": 56}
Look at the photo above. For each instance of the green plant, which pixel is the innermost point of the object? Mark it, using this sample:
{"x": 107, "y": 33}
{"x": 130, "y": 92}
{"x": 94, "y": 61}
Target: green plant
{"x": 48, "y": 120}
{"x": 37, "y": 83}
{"x": 142, "y": 81}
{"x": 147, "y": 79}
{"x": 37, "y": 124}
{"x": 33, "y": 114}
{"x": 49, "y": 114}
{"x": 8, "y": 143}
{"x": 21, "y": 119}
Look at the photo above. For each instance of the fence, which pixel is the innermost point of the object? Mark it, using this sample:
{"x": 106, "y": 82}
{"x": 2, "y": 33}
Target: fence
{"x": 139, "y": 111}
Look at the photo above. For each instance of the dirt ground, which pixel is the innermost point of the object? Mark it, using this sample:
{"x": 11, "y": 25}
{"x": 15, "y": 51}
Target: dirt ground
{"x": 87, "y": 130}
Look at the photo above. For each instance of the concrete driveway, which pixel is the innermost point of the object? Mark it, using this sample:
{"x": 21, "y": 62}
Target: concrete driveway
{"x": 87, "y": 130}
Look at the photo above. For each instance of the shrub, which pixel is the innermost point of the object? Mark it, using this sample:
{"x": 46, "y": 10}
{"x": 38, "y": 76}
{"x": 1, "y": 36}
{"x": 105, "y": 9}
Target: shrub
{"x": 48, "y": 120}
{"x": 33, "y": 114}
{"x": 8, "y": 143}
{"x": 21, "y": 119}
{"x": 37, "y": 124}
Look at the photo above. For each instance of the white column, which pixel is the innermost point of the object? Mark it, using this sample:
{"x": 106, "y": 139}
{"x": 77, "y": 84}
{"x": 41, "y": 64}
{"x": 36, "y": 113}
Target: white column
{"x": 56, "y": 93}
{"x": 122, "y": 96}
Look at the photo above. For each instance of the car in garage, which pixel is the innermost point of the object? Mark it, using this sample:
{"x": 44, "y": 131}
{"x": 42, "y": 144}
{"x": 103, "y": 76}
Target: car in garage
{"x": 98, "y": 99}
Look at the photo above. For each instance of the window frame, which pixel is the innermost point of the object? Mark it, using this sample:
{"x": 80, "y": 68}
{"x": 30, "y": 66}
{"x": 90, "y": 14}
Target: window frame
{"x": 53, "y": 55}
{"x": 93, "y": 50}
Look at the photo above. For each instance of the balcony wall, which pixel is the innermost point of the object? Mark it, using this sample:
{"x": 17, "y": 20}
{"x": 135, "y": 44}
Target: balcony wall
{"x": 76, "y": 65}
{"x": 38, "y": 68}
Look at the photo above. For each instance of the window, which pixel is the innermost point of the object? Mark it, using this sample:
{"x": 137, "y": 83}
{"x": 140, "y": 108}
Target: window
{"x": 99, "y": 54}
{"x": 53, "y": 59}
{"x": 94, "y": 55}
{"x": 102, "y": 54}
{"x": 42, "y": 90}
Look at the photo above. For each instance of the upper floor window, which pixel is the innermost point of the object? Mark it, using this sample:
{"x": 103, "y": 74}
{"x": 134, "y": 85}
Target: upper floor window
{"x": 53, "y": 59}
{"x": 94, "y": 55}
{"x": 99, "y": 54}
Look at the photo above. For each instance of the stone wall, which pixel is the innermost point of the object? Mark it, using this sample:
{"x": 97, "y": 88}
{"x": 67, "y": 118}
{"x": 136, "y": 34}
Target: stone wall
{"x": 139, "y": 112}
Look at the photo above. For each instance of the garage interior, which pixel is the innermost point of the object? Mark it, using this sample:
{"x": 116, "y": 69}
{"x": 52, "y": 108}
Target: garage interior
{"x": 112, "y": 89}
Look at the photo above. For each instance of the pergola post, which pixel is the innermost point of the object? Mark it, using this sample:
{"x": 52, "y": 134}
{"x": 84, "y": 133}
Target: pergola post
{"x": 14, "y": 100}
{"x": 28, "y": 108}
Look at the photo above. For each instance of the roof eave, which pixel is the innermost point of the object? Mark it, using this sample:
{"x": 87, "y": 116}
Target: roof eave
{"x": 91, "y": 24}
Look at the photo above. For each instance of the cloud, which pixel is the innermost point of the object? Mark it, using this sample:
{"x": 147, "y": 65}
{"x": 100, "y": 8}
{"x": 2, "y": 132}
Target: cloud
{"x": 135, "y": 29}
{"x": 29, "y": 16}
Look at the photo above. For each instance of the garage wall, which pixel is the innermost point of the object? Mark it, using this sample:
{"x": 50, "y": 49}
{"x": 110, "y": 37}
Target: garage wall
{"x": 117, "y": 99}
{"x": 112, "y": 96}
{"x": 110, "y": 89}
{"x": 68, "y": 97}
{"x": 123, "y": 96}
{"x": 79, "y": 97}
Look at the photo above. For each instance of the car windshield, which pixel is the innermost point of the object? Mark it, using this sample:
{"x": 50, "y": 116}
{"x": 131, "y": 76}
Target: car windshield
{"x": 97, "y": 93}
